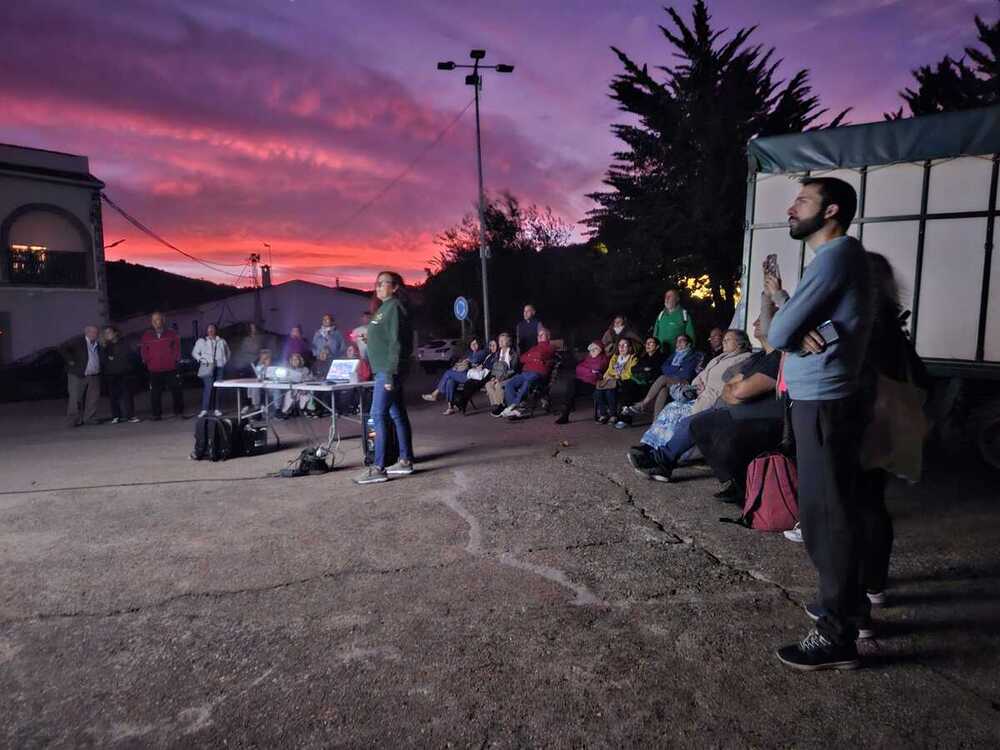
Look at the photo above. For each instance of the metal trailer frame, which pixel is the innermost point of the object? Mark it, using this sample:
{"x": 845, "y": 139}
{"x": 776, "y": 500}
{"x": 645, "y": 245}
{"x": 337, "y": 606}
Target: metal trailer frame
{"x": 921, "y": 140}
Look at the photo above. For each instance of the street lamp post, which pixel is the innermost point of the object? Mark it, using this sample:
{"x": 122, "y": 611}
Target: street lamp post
{"x": 475, "y": 80}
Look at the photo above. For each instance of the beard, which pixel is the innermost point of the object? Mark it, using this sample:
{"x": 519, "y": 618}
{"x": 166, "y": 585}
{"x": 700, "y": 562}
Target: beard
{"x": 802, "y": 228}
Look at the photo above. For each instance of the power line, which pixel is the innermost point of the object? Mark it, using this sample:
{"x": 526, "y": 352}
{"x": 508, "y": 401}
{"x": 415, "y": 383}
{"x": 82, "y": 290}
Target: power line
{"x": 409, "y": 168}
{"x": 146, "y": 230}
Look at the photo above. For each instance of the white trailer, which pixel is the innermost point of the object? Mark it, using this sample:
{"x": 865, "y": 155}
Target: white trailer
{"x": 928, "y": 201}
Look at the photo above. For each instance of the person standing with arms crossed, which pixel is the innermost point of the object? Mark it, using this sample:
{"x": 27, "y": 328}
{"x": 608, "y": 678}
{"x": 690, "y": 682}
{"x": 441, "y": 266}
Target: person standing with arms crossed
{"x": 825, "y": 328}
{"x": 389, "y": 342}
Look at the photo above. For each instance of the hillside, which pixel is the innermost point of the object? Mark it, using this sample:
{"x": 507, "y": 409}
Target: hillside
{"x": 134, "y": 289}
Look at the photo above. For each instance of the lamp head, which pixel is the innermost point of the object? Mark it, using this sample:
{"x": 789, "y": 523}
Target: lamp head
{"x": 477, "y": 54}
{"x": 504, "y": 68}
{"x": 449, "y": 65}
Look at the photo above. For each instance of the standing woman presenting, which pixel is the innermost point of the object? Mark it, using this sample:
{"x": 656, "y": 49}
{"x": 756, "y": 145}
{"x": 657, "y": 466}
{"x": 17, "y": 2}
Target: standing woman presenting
{"x": 389, "y": 343}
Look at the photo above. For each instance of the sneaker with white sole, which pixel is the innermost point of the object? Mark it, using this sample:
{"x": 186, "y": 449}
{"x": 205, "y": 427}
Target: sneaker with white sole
{"x": 400, "y": 468}
{"x": 202, "y": 413}
{"x": 116, "y": 420}
{"x": 794, "y": 534}
{"x": 217, "y": 413}
{"x": 508, "y": 412}
{"x": 372, "y": 475}
{"x": 134, "y": 420}
{"x": 816, "y": 652}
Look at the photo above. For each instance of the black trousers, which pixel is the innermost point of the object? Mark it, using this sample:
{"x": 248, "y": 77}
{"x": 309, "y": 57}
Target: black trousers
{"x": 832, "y": 506}
{"x": 160, "y": 381}
{"x": 120, "y": 395}
{"x": 574, "y": 390}
{"x": 729, "y": 445}
{"x": 469, "y": 389}
{"x": 876, "y": 530}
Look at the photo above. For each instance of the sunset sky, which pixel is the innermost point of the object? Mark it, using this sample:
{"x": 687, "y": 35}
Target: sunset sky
{"x": 223, "y": 124}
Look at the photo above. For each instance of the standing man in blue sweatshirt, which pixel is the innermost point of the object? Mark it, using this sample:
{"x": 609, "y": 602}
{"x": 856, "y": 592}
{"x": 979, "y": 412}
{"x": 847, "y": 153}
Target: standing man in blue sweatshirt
{"x": 825, "y": 327}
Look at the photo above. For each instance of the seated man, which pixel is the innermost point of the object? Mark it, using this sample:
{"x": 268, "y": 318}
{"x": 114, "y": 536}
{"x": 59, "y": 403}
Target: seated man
{"x": 536, "y": 366}
{"x": 756, "y": 383}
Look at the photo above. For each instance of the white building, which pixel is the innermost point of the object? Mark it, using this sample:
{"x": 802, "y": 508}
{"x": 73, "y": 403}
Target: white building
{"x": 52, "y": 279}
{"x": 281, "y": 307}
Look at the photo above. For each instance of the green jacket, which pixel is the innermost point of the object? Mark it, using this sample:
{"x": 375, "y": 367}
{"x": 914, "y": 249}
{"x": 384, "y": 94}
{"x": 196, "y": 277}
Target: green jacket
{"x": 389, "y": 338}
{"x": 670, "y": 325}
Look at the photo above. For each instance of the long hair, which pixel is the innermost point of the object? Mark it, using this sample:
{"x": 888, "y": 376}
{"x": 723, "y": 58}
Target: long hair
{"x": 885, "y": 287}
{"x": 399, "y": 293}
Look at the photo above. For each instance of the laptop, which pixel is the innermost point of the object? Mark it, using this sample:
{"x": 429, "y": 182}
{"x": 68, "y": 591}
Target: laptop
{"x": 343, "y": 371}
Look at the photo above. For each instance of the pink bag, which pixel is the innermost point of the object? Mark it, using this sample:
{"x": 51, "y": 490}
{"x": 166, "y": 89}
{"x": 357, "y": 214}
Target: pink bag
{"x": 771, "y": 502}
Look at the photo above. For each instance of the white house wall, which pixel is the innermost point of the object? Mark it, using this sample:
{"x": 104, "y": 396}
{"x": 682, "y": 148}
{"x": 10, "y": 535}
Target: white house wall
{"x": 292, "y": 303}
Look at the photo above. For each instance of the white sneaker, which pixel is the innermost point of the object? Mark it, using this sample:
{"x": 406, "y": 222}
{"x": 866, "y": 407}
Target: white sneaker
{"x": 115, "y": 420}
{"x": 202, "y": 413}
{"x": 508, "y": 412}
{"x": 217, "y": 413}
{"x": 794, "y": 535}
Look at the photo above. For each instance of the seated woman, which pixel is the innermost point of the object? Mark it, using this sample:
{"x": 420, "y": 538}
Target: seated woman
{"x": 505, "y": 365}
{"x": 678, "y": 369}
{"x": 256, "y": 395}
{"x": 293, "y": 398}
{"x": 619, "y": 329}
{"x": 588, "y": 371}
{"x": 476, "y": 378}
{"x": 459, "y": 373}
{"x": 617, "y": 384}
{"x": 704, "y": 391}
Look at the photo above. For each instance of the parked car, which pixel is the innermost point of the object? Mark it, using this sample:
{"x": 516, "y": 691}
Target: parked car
{"x": 438, "y": 354}
{"x": 38, "y": 375}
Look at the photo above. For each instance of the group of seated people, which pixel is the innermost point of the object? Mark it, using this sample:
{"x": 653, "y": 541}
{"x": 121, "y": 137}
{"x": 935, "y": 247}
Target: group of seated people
{"x": 506, "y": 375}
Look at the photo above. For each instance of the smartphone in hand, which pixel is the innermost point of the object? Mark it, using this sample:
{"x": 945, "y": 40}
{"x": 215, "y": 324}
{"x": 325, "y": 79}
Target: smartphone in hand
{"x": 771, "y": 266}
{"x": 828, "y": 331}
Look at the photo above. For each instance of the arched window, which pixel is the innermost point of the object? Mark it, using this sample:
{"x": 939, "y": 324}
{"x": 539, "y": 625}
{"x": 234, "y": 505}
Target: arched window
{"x": 45, "y": 245}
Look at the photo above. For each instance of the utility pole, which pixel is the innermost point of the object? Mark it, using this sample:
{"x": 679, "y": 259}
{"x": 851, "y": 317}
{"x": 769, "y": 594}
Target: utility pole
{"x": 475, "y": 80}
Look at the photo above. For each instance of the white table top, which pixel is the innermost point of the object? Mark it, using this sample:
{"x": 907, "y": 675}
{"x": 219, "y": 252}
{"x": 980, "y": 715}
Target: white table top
{"x": 318, "y": 386}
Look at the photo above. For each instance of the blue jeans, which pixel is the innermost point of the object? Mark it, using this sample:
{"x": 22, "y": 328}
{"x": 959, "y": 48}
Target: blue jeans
{"x": 681, "y": 442}
{"x": 207, "y": 391}
{"x": 449, "y": 383}
{"x": 389, "y": 412}
{"x": 515, "y": 389}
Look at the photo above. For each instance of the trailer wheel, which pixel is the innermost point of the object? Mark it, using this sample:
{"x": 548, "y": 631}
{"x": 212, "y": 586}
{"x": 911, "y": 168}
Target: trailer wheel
{"x": 987, "y": 432}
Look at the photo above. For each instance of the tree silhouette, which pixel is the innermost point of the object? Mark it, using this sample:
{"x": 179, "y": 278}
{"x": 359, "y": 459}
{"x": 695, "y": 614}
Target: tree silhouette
{"x": 952, "y": 85}
{"x": 677, "y": 197}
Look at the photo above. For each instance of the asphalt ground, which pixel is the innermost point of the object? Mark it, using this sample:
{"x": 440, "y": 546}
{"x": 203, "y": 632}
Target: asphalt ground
{"x": 523, "y": 588}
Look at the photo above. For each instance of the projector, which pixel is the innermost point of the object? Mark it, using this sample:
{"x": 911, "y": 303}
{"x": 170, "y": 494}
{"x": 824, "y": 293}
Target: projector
{"x": 284, "y": 375}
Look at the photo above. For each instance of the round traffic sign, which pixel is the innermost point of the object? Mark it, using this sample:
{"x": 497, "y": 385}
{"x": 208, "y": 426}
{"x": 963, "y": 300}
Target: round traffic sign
{"x": 461, "y": 308}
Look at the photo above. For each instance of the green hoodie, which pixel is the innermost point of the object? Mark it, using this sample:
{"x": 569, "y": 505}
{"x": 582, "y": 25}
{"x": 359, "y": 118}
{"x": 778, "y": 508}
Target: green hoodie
{"x": 670, "y": 325}
{"x": 389, "y": 338}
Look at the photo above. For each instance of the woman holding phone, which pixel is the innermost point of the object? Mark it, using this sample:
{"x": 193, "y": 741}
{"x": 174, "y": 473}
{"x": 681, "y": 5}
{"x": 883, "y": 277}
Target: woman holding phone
{"x": 389, "y": 342}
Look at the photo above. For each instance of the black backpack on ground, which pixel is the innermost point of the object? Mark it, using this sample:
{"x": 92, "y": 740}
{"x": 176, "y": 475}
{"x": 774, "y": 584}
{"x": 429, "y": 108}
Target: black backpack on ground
{"x": 216, "y": 439}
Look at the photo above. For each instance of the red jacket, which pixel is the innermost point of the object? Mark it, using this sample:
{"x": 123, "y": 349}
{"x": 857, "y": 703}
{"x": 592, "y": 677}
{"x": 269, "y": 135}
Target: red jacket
{"x": 539, "y": 358}
{"x": 160, "y": 354}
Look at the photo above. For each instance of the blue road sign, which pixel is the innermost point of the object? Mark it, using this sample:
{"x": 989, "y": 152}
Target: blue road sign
{"x": 461, "y": 308}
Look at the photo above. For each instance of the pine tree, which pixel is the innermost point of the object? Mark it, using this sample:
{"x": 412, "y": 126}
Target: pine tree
{"x": 952, "y": 85}
{"x": 677, "y": 197}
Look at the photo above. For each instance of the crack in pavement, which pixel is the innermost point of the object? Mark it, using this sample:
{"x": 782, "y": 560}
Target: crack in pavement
{"x": 583, "y": 595}
{"x": 646, "y": 515}
{"x": 225, "y": 593}
{"x": 786, "y": 593}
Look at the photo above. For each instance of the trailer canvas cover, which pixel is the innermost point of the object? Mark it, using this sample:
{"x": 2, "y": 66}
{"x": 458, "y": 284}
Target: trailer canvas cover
{"x": 927, "y": 189}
